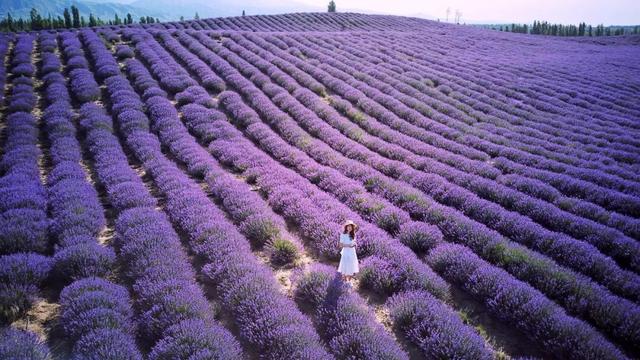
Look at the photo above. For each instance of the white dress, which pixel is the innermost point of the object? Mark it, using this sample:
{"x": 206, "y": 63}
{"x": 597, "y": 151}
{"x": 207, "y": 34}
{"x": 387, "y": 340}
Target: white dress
{"x": 348, "y": 259}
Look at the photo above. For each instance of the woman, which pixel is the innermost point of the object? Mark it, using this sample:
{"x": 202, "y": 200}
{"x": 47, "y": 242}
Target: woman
{"x": 348, "y": 258}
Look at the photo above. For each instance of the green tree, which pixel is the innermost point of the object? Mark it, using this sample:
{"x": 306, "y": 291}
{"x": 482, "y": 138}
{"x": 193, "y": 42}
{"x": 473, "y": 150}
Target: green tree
{"x": 332, "y": 6}
{"x": 92, "y": 20}
{"x": 36, "y": 19}
{"x": 197, "y": 17}
{"x": 67, "y": 18}
{"x": 75, "y": 13}
{"x": 10, "y": 22}
{"x": 129, "y": 19}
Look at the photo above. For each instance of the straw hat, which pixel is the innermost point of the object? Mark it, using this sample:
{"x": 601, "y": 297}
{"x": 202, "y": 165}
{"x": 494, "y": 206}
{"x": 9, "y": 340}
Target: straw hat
{"x": 349, "y": 222}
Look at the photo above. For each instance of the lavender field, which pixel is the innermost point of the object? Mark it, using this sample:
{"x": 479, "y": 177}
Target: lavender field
{"x": 176, "y": 191}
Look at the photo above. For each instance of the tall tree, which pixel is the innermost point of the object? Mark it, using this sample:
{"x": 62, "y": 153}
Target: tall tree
{"x": 10, "y": 22}
{"x": 76, "y": 16}
{"x": 197, "y": 17}
{"x": 332, "y": 6}
{"x": 92, "y": 20}
{"x": 67, "y": 18}
{"x": 36, "y": 19}
{"x": 129, "y": 19}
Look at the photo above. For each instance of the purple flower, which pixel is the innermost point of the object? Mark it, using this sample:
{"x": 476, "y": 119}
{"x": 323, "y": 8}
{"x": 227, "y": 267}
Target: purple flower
{"x": 21, "y": 344}
{"x": 83, "y": 260}
{"x": 106, "y": 344}
{"x": 344, "y": 317}
{"x": 191, "y": 337}
{"x": 435, "y": 328}
{"x": 21, "y": 275}
{"x": 519, "y": 304}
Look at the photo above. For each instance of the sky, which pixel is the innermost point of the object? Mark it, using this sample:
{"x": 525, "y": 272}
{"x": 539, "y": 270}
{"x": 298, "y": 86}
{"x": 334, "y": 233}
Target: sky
{"x": 608, "y": 12}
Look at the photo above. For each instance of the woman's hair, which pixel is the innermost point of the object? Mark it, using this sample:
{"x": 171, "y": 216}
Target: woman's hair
{"x": 351, "y": 233}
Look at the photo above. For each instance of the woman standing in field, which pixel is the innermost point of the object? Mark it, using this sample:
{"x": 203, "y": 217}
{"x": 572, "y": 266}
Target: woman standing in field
{"x": 348, "y": 258}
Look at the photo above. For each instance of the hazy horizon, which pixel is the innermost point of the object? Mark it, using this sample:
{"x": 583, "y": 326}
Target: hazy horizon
{"x": 614, "y": 12}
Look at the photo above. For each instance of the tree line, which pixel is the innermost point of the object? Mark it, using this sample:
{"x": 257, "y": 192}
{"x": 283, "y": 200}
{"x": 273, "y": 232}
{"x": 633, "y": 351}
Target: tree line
{"x": 70, "y": 18}
{"x": 582, "y": 29}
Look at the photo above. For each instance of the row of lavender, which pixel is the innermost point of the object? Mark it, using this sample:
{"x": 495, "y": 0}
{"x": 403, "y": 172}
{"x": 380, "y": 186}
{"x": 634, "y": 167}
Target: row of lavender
{"x": 558, "y": 166}
{"x": 299, "y": 22}
{"x": 244, "y": 286}
{"x": 23, "y": 205}
{"x": 198, "y": 113}
{"x": 363, "y": 338}
{"x": 379, "y": 273}
{"x": 603, "y": 299}
{"x": 251, "y": 213}
{"x": 76, "y": 218}
{"x": 463, "y": 73}
{"x": 583, "y": 226}
{"x": 597, "y": 89}
{"x": 243, "y": 152}
{"x": 354, "y": 339}
{"x": 171, "y": 308}
{"x": 423, "y": 29}
{"x": 413, "y": 73}
{"x": 494, "y": 150}
{"x": 95, "y": 314}
{"x": 449, "y": 100}
{"x": 397, "y": 153}
{"x": 92, "y": 308}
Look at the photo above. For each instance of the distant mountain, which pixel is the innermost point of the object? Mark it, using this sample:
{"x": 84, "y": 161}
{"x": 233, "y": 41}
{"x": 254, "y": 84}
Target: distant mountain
{"x": 104, "y": 10}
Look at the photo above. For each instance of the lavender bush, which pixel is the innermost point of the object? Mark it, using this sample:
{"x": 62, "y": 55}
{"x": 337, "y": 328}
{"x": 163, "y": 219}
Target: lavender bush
{"x": 342, "y": 316}
{"x": 437, "y": 330}
{"x": 20, "y": 344}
